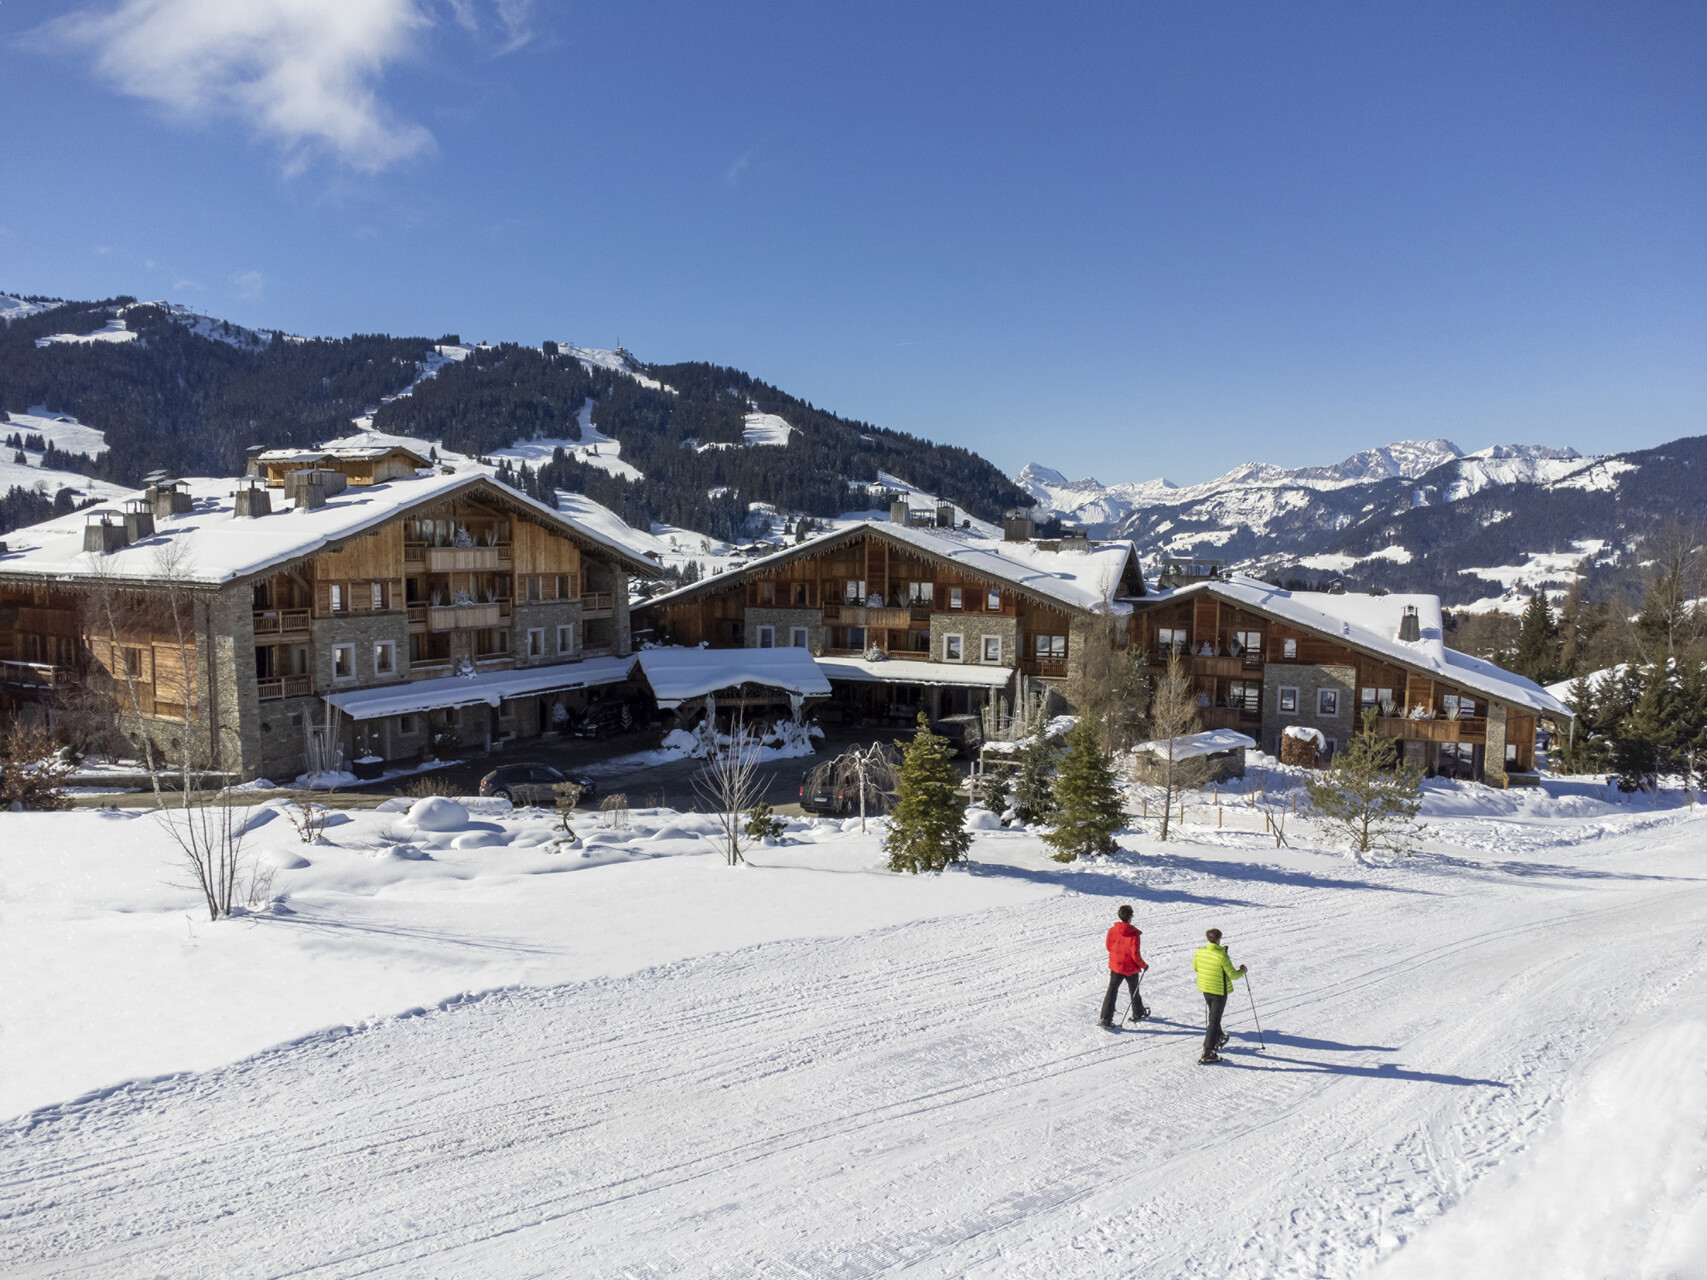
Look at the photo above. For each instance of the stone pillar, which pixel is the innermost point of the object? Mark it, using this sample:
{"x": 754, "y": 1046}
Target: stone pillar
{"x": 1493, "y": 759}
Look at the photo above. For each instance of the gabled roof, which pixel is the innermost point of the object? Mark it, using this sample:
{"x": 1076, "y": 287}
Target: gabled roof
{"x": 1082, "y": 580}
{"x": 1370, "y": 624}
{"x": 212, "y": 547}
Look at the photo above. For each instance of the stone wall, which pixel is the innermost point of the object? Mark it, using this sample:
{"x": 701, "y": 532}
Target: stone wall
{"x": 784, "y": 620}
{"x": 1493, "y": 762}
{"x": 363, "y": 631}
{"x": 1308, "y": 680}
{"x": 549, "y": 615}
{"x": 974, "y": 627}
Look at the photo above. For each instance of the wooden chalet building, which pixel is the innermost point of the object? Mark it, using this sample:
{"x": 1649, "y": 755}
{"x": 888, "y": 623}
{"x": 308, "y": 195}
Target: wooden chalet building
{"x": 914, "y": 613}
{"x": 1262, "y": 660}
{"x": 352, "y": 603}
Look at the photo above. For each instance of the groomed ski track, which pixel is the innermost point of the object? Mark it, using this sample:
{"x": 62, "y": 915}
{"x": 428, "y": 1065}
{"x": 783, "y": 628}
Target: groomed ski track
{"x": 932, "y": 1099}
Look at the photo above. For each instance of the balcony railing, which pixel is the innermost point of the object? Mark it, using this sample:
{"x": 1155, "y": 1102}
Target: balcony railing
{"x": 1463, "y": 729}
{"x": 277, "y": 687}
{"x": 856, "y": 615}
{"x": 464, "y": 559}
{"x": 32, "y": 675}
{"x": 1046, "y": 667}
{"x": 417, "y": 615}
{"x": 456, "y": 617}
{"x": 598, "y": 604}
{"x": 281, "y": 622}
{"x": 1228, "y": 718}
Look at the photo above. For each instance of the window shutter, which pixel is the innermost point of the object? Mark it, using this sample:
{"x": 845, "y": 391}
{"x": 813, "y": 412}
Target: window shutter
{"x": 323, "y": 598}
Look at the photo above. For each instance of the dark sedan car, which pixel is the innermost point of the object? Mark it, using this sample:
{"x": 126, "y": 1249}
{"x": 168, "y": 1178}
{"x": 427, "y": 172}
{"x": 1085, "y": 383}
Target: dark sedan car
{"x": 531, "y": 784}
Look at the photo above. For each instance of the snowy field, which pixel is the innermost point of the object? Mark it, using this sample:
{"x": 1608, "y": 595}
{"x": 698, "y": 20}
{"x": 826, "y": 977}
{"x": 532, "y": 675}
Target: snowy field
{"x": 471, "y": 1051}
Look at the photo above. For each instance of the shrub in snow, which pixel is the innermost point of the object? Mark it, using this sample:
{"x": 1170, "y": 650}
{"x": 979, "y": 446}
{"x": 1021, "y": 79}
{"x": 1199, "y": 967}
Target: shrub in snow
{"x": 1369, "y": 797}
{"x": 436, "y": 813}
{"x": 925, "y": 830}
{"x": 32, "y": 776}
{"x": 981, "y": 820}
{"x": 1087, "y": 803}
{"x": 761, "y": 825}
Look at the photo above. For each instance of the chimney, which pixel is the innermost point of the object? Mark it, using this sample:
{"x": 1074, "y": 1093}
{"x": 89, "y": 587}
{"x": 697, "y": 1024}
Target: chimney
{"x": 138, "y": 519}
{"x": 898, "y": 512}
{"x": 1075, "y": 540}
{"x": 1017, "y": 525}
{"x": 944, "y": 516}
{"x": 252, "y": 502}
{"x": 1410, "y": 629}
{"x": 101, "y": 534}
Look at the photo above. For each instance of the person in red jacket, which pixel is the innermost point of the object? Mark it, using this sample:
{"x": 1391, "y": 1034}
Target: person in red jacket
{"x": 1124, "y": 965}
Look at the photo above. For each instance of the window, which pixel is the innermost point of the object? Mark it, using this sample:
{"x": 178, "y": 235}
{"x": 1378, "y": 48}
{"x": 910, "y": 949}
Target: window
{"x": 532, "y": 587}
{"x": 1051, "y": 646}
{"x": 1245, "y": 696}
{"x": 1366, "y": 698}
{"x": 992, "y": 648}
{"x": 406, "y": 724}
{"x": 384, "y": 657}
{"x": 1328, "y": 703}
{"x": 1449, "y": 706}
{"x": 1176, "y": 638}
{"x": 536, "y": 642}
{"x": 952, "y": 648}
{"x": 855, "y": 638}
{"x": 337, "y": 597}
{"x": 767, "y": 637}
{"x": 378, "y": 590}
{"x": 954, "y": 598}
{"x": 566, "y": 638}
{"x": 491, "y": 643}
{"x": 854, "y": 591}
{"x": 993, "y": 602}
{"x": 798, "y": 638}
{"x": 921, "y": 592}
{"x": 799, "y": 593}
{"x": 343, "y": 661}
{"x": 1289, "y": 702}
{"x": 767, "y": 595}
{"x": 1289, "y": 649}
{"x": 133, "y": 663}
{"x": 1247, "y": 642}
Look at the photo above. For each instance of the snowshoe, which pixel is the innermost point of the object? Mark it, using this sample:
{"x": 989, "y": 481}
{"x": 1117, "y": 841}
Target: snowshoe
{"x": 1222, "y": 1042}
{"x": 1139, "y": 1014}
{"x": 1208, "y": 1058}
{"x": 1107, "y": 1026}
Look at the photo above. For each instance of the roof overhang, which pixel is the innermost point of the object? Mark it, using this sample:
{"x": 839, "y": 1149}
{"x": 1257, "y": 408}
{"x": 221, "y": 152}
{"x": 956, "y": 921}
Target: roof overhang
{"x": 903, "y": 671}
{"x": 680, "y": 675}
{"x": 490, "y": 688}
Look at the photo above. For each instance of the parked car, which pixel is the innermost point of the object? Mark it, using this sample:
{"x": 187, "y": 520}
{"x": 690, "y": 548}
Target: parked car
{"x": 965, "y": 734}
{"x": 603, "y": 719}
{"x": 531, "y": 784}
{"x": 822, "y": 796}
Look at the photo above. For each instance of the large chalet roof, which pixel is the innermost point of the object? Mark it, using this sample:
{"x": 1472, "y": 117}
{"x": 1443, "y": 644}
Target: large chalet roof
{"x": 1371, "y": 624}
{"x": 210, "y": 546}
{"x": 1083, "y": 580}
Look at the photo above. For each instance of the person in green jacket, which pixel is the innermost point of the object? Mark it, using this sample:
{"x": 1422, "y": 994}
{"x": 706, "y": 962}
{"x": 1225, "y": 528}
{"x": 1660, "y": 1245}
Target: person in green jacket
{"x": 1215, "y": 978}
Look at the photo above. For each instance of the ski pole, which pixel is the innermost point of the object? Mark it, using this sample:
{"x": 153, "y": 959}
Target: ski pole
{"x": 1262, "y": 1044}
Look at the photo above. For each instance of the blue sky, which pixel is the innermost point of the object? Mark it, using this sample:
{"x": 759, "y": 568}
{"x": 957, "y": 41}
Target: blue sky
{"x": 1125, "y": 240}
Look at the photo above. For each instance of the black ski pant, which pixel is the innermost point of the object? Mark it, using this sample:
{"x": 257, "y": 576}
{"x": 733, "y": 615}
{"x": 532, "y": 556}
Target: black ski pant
{"x": 1217, "y": 1006}
{"x": 1114, "y": 981}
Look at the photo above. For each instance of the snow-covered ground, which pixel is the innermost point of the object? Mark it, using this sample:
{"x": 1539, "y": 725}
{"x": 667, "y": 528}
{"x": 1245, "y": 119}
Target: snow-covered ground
{"x": 440, "y": 1053}
{"x": 63, "y": 431}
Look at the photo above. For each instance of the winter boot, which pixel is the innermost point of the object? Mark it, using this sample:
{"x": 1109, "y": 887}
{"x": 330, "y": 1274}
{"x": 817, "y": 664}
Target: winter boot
{"x": 1222, "y": 1042}
{"x": 1208, "y": 1058}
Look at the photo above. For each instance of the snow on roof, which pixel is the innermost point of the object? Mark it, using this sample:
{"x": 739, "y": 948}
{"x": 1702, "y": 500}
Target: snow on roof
{"x": 676, "y": 675}
{"x": 1209, "y": 743}
{"x": 1372, "y": 623}
{"x": 1088, "y": 579}
{"x": 490, "y": 687}
{"x": 907, "y": 671}
{"x": 212, "y": 547}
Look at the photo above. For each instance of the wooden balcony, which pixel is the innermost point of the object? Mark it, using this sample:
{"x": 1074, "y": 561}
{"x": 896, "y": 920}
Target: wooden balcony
{"x": 33, "y": 675}
{"x": 281, "y": 622}
{"x": 598, "y": 604}
{"x": 1048, "y": 668}
{"x": 464, "y": 559}
{"x": 458, "y": 617}
{"x": 1465, "y": 729}
{"x": 417, "y": 617}
{"x": 284, "y": 687}
{"x": 854, "y": 615}
{"x": 1235, "y": 718}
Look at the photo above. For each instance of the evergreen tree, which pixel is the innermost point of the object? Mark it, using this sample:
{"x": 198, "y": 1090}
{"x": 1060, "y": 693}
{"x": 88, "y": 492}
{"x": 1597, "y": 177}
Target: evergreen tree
{"x": 1034, "y": 796}
{"x": 1537, "y": 654}
{"x": 1643, "y": 741}
{"x": 997, "y": 789}
{"x": 1087, "y": 803}
{"x": 1586, "y": 748}
{"x": 1369, "y": 797}
{"x": 926, "y": 828}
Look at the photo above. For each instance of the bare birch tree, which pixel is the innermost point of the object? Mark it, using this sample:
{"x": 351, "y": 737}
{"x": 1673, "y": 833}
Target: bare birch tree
{"x": 871, "y": 772}
{"x": 1173, "y": 715}
{"x": 731, "y": 784}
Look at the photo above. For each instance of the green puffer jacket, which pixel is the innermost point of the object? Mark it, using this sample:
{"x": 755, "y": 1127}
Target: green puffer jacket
{"x": 1215, "y": 973}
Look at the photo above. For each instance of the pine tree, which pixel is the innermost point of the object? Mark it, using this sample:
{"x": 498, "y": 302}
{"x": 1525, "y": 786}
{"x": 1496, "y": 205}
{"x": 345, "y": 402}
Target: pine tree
{"x": 1088, "y": 808}
{"x": 1643, "y": 741}
{"x": 1537, "y": 653}
{"x": 997, "y": 788}
{"x": 1034, "y": 796}
{"x": 926, "y": 828}
{"x": 1369, "y": 797}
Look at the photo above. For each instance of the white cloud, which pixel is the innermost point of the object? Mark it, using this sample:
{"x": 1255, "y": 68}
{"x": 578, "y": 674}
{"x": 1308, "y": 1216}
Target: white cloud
{"x": 249, "y": 283}
{"x": 303, "y": 72}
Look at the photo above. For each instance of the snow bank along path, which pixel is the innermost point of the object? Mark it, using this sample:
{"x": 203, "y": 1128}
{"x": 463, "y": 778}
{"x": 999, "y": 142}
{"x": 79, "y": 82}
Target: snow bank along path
{"x": 930, "y": 1097}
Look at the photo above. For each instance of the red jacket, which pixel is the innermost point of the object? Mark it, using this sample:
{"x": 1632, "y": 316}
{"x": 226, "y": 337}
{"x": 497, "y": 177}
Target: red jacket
{"x": 1122, "y": 945}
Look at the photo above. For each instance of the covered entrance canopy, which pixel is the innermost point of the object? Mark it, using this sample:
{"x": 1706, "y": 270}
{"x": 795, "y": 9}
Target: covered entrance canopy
{"x": 901, "y": 671}
{"x": 680, "y": 675}
{"x": 490, "y": 688}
